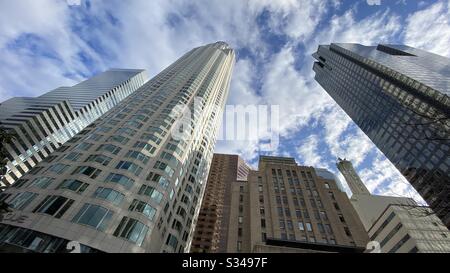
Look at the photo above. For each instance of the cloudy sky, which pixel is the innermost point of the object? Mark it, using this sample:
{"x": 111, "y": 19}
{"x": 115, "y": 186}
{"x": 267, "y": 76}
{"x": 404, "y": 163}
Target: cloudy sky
{"x": 49, "y": 43}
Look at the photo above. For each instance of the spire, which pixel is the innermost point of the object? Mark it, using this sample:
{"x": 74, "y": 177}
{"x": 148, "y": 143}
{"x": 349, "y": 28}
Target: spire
{"x": 352, "y": 178}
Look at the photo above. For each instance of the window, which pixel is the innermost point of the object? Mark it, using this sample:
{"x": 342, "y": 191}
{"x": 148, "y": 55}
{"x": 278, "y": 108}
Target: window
{"x": 73, "y": 185}
{"x": 145, "y": 146}
{"x": 162, "y": 181}
{"x": 109, "y": 148}
{"x": 83, "y": 146}
{"x": 172, "y": 241}
{"x": 240, "y": 219}
{"x": 108, "y": 194}
{"x": 263, "y": 236}
{"x": 163, "y": 166}
{"x": 102, "y": 159}
{"x": 289, "y": 225}
{"x": 328, "y": 229}
{"x": 22, "y": 200}
{"x": 41, "y": 182}
{"x": 54, "y": 205}
{"x": 321, "y": 228}
{"x": 301, "y": 226}
{"x": 336, "y": 206}
{"x": 324, "y": 216}
{"x": 327, "y": 186}
{"x": 282, "y": 224}
{"x": 120, "y": 179}
{"x": 151, "y": 192}
{"x": 126, "y": 165}
{"x": 143, "y": 208}
{"x": 400, "y": 244}
{"x": 263, "y": 223}
{"x": 391, "y": 234}
{"x": 93, "y": 215}
{"x": 73, "y": 156}
{"x": 239, "y": 232}
{"x": 137, "y": 155}
{"x": 261, "y": 210}
{"x": 88, "y": 171}
{"x": 132, "y": 230}
{"x": 347, "y": 231}
{"x": 36, "y": 170}
{"x": 308, "y": 227}
{"x": 58, "y": 168}
{"x": 120, "y": 139}
{"x": 239, "y": 246}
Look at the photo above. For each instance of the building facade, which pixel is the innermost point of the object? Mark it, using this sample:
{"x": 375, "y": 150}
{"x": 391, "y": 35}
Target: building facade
{"x": 133, "y": 180}
{"x": 211, "y": 230}
{"x": 399, "y": 97}
{"x": 398, "y": 224}
{"x": 283, "y": 207}
{"x": 410, "y": 229}
{"x": 42, "y": 124}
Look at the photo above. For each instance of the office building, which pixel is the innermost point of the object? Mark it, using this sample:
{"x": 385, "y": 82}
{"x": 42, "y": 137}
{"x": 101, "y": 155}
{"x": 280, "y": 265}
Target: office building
{"x": 398, "y": 224}
{"x": 212, "y": 224}
{"x": 283, "y": 207}
{"x": 399, "y": 97}
{"x": 133, "y": 180}
{"x": 42, "y": 124}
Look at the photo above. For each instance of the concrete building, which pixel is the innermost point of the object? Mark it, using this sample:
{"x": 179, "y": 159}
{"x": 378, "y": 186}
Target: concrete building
{"x": 398, "y": 224}
{"x": 283, "y": 207}
{"x": 212, "y": 225}
{"x": 133, "y": 180}
{"x": 399, "y": 97}
{"x": 410, "y": 229}
{"x": 42, "y": 124}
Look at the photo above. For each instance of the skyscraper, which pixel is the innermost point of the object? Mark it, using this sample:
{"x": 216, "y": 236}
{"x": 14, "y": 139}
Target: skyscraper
{"x": 399, "y": 97}
{"x": 211, "y": 230}
{"x": 133, "y": 180}
{"x": 398, "y": 224}
{"x": 41, "y": 125}
{"x": 352, "y": 178}
{"x": 283, "y": 207}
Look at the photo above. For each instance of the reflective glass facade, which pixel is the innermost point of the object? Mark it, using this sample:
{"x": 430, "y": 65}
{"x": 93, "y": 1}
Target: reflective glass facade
{"x": 399, "y": 96}
{"x": 44, "y": 123}
{"x": 127, "y": 183}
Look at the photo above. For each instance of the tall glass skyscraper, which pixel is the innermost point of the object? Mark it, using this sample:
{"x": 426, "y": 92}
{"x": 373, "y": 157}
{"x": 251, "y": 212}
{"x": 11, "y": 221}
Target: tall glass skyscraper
{"x": 41, "y": 125}
{"x": 133, "y": 180}
{"x": 399, "y": 96}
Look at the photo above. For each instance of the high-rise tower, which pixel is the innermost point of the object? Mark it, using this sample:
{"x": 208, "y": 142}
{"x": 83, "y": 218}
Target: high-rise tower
{"x": 42, "y": 124}
{"x": 352, "y": 178}
{"x": 211, "y": 231}
{"x": 133, "y": 181}
{"x": 399, "y": 97}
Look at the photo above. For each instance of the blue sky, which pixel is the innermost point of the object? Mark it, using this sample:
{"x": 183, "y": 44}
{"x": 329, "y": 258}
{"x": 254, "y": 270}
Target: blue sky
{"x": 49, "y": 43}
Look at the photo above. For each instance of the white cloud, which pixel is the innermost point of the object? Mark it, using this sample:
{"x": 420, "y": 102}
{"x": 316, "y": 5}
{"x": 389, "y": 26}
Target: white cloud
{"x": 384, "y": 179}
{"x": 308, "y": 152}
{"x": 429, "y": 29}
